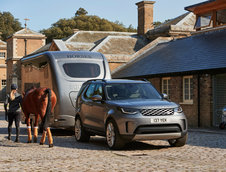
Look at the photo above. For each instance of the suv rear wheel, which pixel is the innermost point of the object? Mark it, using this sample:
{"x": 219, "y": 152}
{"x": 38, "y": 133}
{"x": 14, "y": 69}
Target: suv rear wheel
{"x": 80, "y": 134}
{"x": 113, "y": 138}
{"x": 178, "y": 142}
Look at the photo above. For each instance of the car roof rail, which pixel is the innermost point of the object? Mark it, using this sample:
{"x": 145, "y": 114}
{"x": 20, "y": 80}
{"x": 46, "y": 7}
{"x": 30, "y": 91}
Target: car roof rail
{"x": 96, "y": 80}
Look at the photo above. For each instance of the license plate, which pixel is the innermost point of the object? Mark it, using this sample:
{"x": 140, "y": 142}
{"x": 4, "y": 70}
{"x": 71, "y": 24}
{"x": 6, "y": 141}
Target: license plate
{"x": 158, "y": 120}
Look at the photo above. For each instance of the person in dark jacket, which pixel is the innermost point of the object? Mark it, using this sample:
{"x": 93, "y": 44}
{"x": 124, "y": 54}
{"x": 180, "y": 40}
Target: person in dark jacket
{"x": 14, "y": 99}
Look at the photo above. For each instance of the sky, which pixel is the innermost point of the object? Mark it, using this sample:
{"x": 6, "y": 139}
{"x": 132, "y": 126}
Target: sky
{"x": 43, "y": 13}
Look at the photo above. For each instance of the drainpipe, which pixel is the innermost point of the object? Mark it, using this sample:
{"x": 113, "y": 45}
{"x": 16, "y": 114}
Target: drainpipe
{"x": 199, "y": 122}
{"x": 25, "y": 41}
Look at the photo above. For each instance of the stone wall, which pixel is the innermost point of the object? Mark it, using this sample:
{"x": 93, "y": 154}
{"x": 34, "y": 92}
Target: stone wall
{"x": 206, "y": 97}
{"x": 191, "y": 109}
{"x": 32, "y": 45}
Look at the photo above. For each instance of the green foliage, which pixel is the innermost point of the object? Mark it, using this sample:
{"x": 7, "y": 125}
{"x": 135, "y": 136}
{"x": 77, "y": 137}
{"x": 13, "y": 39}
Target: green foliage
{"x": 64, "y": 27}
{"x": 157, "y": 23}
{"x": 8, "y": 25}
{"x": 81, "y": 11}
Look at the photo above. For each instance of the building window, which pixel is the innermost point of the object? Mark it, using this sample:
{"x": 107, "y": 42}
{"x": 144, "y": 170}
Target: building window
{"x": 166, "y": 86}
{"x": 203, "y": 21}
{"x": 2, "y": 55}
{"x": 221, "y": 17}
{"x": 188, "y": 89}
{"x": 3, "y": 83}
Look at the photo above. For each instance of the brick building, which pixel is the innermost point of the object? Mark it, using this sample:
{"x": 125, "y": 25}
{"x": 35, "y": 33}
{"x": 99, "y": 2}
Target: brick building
{"x": 3, "y": 54}
{"x": 192, "y": 70}
{"x": 19, "y": 45}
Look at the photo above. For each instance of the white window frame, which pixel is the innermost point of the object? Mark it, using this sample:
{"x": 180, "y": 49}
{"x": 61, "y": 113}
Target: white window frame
{"x": 2, "y": 57}
{"x": 167, "y": 85}
{"x": 190, "y": 91}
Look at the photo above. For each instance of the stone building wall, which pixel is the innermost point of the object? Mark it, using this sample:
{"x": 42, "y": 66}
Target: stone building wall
{"x": 32, "y": 45}
{"x": 191, "y": 109}
{"x": 20, "y": 44}
{"x": 3, "y": 51}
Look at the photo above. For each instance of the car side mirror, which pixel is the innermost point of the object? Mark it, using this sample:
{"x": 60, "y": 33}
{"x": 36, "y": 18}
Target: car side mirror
{"x": 165, "y": 96}
{"x": 96, "y": 98}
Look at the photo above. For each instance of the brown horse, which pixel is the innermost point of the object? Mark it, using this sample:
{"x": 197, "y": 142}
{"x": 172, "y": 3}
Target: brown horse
{"x": 40, "y": 102}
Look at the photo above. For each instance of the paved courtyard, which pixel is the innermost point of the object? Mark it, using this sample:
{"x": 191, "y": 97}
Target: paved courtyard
{"x": 205, "y": 151}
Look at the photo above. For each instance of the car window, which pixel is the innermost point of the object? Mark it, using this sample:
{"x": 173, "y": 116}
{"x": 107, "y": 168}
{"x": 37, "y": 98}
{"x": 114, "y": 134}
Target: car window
{"x": 90, "y": 91}
{"x": 98, "y": 90}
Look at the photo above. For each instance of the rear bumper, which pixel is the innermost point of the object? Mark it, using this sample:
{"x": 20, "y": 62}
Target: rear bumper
{"x": 64, "y": 121}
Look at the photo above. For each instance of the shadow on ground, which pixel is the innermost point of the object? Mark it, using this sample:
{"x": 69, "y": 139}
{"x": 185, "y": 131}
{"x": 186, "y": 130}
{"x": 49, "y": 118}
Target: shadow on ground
{"x": 65, "y": 138}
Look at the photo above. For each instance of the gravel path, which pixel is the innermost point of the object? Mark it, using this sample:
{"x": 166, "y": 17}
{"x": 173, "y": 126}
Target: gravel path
{"x": 205, "y": 151}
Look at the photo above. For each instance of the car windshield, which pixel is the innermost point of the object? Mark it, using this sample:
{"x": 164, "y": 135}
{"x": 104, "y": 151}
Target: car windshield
{"x": 124, "y": 91}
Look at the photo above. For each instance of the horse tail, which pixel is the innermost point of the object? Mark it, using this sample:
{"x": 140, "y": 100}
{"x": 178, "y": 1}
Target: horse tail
{"x": 46, "y": 119}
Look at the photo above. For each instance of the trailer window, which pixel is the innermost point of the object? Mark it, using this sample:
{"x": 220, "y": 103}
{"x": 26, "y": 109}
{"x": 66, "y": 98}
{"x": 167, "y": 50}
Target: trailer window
{"x": 82, "y": 70}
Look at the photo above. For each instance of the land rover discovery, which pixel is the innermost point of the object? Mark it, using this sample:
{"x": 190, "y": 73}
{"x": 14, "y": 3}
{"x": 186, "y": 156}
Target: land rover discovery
{"x": 126, "y": 110}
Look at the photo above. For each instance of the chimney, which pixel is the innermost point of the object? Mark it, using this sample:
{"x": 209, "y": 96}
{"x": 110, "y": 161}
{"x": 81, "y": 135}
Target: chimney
{"x": 145, "y": 16}
{"x": 75, "y": 30}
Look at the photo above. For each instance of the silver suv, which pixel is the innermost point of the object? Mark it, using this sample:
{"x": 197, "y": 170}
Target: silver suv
{"x": 126, "y": 110}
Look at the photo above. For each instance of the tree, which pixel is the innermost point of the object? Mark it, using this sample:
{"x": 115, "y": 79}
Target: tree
{"x": 157, "y": 23}
{"x": 64, "y": 27}
{"x": 8, "y": 25}
{"x": 81, "y": 11}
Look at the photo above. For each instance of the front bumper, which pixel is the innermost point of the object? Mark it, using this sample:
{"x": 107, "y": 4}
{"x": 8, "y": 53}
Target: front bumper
{"x": 139, "y": 127}
{"x": 159, "y": 136}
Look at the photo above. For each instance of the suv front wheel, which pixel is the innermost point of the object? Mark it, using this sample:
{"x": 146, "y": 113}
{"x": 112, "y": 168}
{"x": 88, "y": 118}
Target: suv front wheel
{"x": 113, "y": 138}
{"x": 80, "y": 134}
{"x": 179, "y": 142}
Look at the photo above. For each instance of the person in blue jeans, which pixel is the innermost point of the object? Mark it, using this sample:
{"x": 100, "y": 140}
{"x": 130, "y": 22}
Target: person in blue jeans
{"x": 14, "y": 99}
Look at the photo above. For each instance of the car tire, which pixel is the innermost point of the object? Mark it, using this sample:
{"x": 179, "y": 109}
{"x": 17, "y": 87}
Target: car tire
{"x": 80, "y": 134}
{"x": 178, "y": 142}
{"x": 113, "y": 138}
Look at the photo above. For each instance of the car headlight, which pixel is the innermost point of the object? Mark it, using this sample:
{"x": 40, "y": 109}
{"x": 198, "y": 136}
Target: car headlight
{"x": 178, "y": 109}
{"x": 129, "y": 111}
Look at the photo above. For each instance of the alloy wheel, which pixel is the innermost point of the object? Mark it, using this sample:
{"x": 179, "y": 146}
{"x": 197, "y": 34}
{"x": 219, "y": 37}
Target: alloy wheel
{"x": 78, "y": 130}
{"x": 110, "y": 134}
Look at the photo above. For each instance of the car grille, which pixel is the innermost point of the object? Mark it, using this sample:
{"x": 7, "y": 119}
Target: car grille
{"x": 157, "y": 112}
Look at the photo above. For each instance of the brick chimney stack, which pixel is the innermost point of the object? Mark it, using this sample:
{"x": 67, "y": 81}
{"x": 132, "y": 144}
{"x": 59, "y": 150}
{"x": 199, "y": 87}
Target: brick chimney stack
{"x": 145, "y": 16}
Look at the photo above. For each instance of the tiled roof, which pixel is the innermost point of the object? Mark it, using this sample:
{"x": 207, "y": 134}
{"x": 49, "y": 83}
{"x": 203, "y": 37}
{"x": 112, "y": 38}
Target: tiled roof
{"x": 60, "y": 44}
{"x": 27, "y": 31}
{"x": 78, "y": 46}
{"x": 94, "y": 36}
{"x": 2, "y": 44}
{"x": 121, "y": 45}
{"x": 183, "y": 23}
{"x": 205, "y": 51}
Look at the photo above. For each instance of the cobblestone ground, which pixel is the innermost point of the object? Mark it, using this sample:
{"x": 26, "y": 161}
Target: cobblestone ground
{"x": 205, "y": 151}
